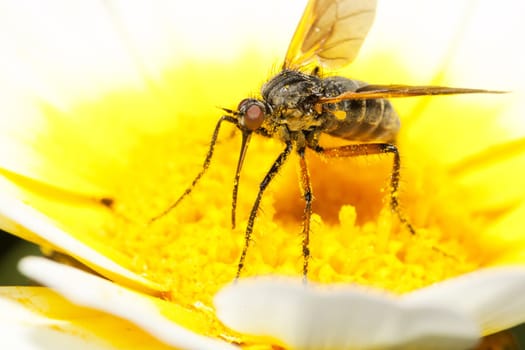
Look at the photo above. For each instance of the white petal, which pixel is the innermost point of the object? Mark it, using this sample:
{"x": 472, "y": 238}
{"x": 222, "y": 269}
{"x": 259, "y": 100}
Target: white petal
{"x": 24, "y": 329}
{"x": 313, "y": 317}
{"x": 493, "y": 297}
{"x": 88, "y": 290}
{"x": 14, "y": 210}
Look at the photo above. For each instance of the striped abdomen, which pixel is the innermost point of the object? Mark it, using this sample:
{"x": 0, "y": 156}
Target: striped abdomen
{"x": 357, "y": 120}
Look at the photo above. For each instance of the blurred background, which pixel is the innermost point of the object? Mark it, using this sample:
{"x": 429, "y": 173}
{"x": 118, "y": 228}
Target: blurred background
{"x": 11, "y": 250}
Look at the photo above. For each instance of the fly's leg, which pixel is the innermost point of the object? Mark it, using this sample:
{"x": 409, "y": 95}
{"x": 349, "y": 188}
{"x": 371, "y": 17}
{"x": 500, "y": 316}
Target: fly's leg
{"x": 369, "y": 149}
{"x": 281, "y": 159}
{"x": 306, "y": 189}
{"x": 205, "y": 166}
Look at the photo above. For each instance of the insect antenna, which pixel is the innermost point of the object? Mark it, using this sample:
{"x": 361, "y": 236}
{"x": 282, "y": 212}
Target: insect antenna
{"x": 205, "y": 166}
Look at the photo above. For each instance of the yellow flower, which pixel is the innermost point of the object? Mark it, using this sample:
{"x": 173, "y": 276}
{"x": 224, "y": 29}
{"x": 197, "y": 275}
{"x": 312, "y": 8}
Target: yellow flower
{"x": 107, "y": 118}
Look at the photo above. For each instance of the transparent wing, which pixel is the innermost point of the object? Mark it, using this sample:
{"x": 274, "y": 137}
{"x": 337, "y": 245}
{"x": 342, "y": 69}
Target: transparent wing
{"x": 389, "y": 91}
{"x": 330, "y": 33}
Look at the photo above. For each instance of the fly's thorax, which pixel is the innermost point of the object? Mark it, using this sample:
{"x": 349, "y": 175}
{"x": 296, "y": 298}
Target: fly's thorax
{"x": 357, "y": 120}
{"x": 292, "y": 90}
{"x": 296, "y": 119}
{"x": 292, "y": 96}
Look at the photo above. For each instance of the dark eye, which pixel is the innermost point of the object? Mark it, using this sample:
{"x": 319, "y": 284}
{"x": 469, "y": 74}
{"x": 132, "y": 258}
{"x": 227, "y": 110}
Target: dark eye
{"x": 252, "y": 113}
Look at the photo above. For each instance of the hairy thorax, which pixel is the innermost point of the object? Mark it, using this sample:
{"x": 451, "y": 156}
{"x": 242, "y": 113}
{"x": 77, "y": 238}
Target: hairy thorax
{"x": 293, "y": 96}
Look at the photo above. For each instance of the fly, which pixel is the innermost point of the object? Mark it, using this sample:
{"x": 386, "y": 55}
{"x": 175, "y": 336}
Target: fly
{"x": 298, "y": 105}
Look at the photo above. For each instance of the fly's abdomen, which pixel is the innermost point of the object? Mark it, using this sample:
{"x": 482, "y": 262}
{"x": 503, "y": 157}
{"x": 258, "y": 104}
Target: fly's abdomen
{"x": 358, "y": 120}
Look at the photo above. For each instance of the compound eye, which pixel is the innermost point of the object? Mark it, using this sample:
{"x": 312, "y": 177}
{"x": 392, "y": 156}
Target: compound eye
{"x": 252, "y": 113}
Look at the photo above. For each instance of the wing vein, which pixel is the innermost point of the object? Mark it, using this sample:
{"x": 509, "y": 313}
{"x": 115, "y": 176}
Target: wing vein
{"x": 330, "y": 33}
